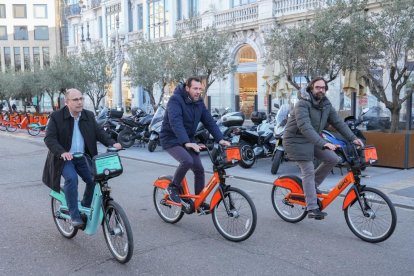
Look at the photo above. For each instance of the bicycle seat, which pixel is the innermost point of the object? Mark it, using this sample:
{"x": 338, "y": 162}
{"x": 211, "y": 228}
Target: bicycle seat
{"x": 165, "y": 177}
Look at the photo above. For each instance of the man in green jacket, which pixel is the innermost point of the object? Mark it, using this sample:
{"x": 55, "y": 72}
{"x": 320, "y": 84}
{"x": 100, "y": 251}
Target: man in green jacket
{"x": 303, "y": 142}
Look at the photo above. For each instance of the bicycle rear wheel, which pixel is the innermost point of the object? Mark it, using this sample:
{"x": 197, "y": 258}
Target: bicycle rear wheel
{"x": 64, "y": 226}
{"x": 240, "y": 222}
{"x": 33, "y": 130}
{"x": 287, "y": 211}
{"x": 11, "y": 127}
{"x": 117, "y": 232}
{"x": 379, "y": 221}
{"x": 169, "y": 213}
{"x": 2, "y": 127}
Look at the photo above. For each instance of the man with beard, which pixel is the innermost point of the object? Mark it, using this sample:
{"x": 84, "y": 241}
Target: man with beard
{"x": 185, "y": 110}
{"x": 303, "y": 141}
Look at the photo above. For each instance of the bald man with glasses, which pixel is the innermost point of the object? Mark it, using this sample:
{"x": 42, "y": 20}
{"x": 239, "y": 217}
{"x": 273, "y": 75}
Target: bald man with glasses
{"x": 70, "y": 130}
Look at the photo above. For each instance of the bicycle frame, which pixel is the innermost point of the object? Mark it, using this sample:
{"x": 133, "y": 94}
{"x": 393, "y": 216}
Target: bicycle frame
{"x": 296, "y": 194}
{"x": 94, "y": 214}
{"x": 217, "y": 178}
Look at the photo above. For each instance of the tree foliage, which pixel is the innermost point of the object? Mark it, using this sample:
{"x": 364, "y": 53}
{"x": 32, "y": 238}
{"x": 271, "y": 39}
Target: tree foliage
{"x": 347, "y": 36}
{"x": 205, "y": 54}
{"x": 95, "y": 66}
{"x": 153, "y": 63}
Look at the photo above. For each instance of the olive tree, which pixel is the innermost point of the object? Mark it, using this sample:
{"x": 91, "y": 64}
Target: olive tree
{"x": 95, "y": 66}
{"x": 152, "y": 62}
{"x": 204, "y": 54}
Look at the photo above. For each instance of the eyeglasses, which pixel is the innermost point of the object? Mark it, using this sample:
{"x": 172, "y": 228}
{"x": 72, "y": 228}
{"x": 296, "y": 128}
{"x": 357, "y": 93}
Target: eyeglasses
{"x": 320, "y": 87}
{"x": 77, "y": 99}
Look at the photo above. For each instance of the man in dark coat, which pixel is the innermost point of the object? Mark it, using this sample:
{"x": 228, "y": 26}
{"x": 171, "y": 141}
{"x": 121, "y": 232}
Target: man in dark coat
{"x": 303, "y": 142}
{"x": 185, "y": 110}
{"x": 70, "y": 130}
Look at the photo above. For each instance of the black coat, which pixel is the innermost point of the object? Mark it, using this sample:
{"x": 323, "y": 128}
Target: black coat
{"x": 59, "y": 140}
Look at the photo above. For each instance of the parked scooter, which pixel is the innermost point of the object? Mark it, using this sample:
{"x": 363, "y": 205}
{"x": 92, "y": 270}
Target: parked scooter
{"x": 155, "y": 128}
{"x": 279, "y": 154}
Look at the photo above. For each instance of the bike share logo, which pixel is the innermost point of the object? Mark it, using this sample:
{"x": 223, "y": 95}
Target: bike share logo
{"x": 341, "y": 184}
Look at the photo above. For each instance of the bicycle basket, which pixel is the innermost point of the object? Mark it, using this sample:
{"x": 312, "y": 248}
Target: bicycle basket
{"x": 106, "y": 166}
{"x": 369, "y": 155}
{"x": 229, "y": 157}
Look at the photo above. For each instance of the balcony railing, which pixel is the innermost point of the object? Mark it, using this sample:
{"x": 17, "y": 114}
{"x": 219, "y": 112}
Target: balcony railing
{"x": 283, "y": 7}
{"x": 241, "y": 14}
{"x": 134, "y": 36}
{"x": 189, "y": 24}
{"x": 72, "y": 10}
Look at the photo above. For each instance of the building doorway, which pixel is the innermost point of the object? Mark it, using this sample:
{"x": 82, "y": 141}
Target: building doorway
{"x": 245, "y": 79}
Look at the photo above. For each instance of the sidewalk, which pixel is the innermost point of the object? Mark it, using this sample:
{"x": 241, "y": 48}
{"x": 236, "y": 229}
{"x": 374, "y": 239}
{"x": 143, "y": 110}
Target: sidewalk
{"x": 396, "y": 183}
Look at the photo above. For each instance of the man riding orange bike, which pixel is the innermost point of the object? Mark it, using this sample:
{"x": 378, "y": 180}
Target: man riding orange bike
{"x": 185, "y": 110}
{"x": 303, "y": 142}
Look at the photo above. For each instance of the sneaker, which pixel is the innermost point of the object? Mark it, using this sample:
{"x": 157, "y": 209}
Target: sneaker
{"x": 316, "y": 214}
{"x": 173, "y": 191}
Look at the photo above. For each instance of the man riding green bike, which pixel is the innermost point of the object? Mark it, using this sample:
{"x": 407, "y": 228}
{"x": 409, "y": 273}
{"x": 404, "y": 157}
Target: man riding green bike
{"x": 73, "y": 129}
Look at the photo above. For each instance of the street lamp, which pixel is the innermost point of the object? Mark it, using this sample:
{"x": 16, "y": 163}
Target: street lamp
{"x": 117, "y": 42}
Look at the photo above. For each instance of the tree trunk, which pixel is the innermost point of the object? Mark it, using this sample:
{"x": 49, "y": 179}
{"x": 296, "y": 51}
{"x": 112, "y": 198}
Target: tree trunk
{"x": 395, "y": 120}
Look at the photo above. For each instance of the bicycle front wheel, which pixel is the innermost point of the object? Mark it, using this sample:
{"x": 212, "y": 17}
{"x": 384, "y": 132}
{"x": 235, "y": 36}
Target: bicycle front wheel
{"x": 64, "y": 226}
{"x": 377, "y": 219}
{"x": 33, "y": 130}
{"x": 238, "y": 221}
{"x": 169, "y": 213}
{"x": 2, "y": 127}
{"x": 117, "y": 232}
{"x": 289, "y": 212}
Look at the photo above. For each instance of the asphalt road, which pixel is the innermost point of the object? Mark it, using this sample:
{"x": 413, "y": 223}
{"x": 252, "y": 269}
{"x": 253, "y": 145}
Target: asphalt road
{"x": 31, "y": 245}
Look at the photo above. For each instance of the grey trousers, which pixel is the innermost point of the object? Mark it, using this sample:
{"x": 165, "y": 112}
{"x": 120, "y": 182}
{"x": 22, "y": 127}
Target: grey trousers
{"x": 312, "y": 178}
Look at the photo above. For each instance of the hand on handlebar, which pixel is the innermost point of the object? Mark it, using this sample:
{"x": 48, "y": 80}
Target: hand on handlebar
{"x": 358, "y": 142}
{"x": 195, "y": 147}
{"x": 330, "y": 146}
{"x": 224, "y": 143}
{"x": 118, "y": 146}
{"x": 66, "y": 156}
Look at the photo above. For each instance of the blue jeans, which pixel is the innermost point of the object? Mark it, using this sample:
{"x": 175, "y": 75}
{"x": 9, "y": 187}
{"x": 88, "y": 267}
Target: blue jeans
{"x": 71, "y": 170}
{"x": 188, "y": 160}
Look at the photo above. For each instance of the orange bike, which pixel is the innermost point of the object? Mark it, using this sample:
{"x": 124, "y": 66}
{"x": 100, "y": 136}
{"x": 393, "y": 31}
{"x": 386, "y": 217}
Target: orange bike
{"x": 368, "y": 212}
{"x": 233, "y": 212}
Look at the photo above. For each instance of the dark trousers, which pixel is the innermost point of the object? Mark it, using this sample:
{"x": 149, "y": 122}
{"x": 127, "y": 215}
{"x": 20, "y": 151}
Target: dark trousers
{"x": 188, "y": 159}
{"x": 71, "y": 170}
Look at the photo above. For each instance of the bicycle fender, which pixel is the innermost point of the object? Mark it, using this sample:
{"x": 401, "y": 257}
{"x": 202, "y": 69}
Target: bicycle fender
{"x": 162, "y": 183}
{"x": 289, "y": 183}
{"x": 349, "y": 198}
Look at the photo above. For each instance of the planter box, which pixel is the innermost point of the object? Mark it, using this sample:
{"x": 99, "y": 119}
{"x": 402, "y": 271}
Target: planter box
{"x": 395, "y": 150}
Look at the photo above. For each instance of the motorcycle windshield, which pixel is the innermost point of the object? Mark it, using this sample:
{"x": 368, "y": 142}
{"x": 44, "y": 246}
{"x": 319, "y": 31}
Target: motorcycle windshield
{"x": 158, "y": 116}
{"x": 282, "y": 113}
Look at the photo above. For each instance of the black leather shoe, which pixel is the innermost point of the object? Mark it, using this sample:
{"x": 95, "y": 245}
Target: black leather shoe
{"x": 78, "y": 223}
{"x": 316, "y": 214}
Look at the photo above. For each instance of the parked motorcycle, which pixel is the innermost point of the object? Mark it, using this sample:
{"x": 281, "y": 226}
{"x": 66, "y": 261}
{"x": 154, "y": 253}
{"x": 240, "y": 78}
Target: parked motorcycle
{"x": 112, "y": 126}
{"x": 155, "y": 128}
{"x": 279, "y": 154}
{"x": 136, "y": 128}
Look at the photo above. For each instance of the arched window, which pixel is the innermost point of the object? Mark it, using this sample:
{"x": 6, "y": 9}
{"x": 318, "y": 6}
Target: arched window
{"x": 246, "y": 54}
